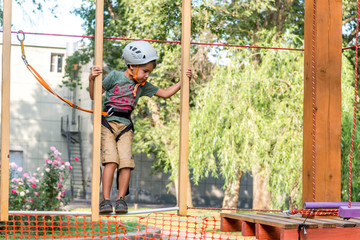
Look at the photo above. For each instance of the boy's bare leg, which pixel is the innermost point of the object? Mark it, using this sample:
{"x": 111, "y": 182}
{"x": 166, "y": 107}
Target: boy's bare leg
{"x": 124, "y": 179}
{"x": 107, "y": 179}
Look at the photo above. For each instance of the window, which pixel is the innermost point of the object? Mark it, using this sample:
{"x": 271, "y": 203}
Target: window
{"x": 56, "y": 62}
{"x": 17, "y": 158}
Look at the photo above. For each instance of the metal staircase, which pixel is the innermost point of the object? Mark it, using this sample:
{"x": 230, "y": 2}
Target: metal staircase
{"x": 74, "y": 147}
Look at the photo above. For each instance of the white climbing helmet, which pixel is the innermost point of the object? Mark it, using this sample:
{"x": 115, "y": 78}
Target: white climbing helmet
{"x": 139, "y": 52}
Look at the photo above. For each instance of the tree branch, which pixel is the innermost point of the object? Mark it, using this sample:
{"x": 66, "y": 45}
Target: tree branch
{"x": 110, "y": 9}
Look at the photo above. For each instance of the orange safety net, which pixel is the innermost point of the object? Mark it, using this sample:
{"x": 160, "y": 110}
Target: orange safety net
{"x": 153, "y": 226}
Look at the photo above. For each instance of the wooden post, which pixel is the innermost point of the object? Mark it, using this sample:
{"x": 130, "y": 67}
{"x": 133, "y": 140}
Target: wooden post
{"x": 99, "y": 26}
{"x": 5, "y": 112}
{"x": 327, "y": 55}
{"x": 184, "y": 108}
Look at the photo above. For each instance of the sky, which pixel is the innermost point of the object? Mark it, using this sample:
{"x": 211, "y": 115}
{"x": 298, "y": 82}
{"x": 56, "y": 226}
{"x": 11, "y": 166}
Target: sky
{"x": 45, "y": 22}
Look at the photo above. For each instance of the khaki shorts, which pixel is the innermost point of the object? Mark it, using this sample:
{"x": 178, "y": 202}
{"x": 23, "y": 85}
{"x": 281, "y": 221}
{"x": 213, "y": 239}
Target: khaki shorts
{"x": 119, "y": 152}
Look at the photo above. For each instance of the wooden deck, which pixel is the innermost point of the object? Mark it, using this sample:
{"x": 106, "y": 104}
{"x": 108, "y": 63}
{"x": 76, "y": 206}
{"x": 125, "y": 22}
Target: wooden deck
{"x": 285, "y": 227}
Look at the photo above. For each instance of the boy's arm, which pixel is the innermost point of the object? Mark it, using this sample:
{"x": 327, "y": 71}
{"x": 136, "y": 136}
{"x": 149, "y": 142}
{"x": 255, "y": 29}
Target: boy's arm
{"x": 166, "y": 93}
{"x": 95, "y": 71}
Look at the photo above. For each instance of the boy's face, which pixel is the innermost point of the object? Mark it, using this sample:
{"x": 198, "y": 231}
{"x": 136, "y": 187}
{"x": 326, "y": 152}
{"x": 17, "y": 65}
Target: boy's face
{"x": 143, "y": 71}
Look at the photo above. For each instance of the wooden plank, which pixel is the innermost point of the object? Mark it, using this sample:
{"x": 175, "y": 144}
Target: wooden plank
{"x": 99, "y": 26}
{"x": 350, "y": 221}
{"x": 266, "y": 227}
{"x": 320, "y": 222}
{"x": 267, "y": 220}
{"x": 294, "y": 221}
{"x": 338, "y": 222}
{"x": 328, "y": 40}
{"x": 184, "y": 108}
{"x": 5, "y": 111}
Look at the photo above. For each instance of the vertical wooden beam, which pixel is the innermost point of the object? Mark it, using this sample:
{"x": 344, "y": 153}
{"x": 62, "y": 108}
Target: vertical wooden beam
{"x": 184, "y": 108}
{"x": 5, "y": 111}
{"x": 327, "y": 53}
{"x": 99, "y": 27}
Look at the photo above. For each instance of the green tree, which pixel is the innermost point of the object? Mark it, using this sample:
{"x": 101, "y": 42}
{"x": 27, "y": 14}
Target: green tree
{"x": 71, "y": 79}
{"x": 347, "y": 120}
{"x": 250, "y": 118}
{"x": 348, "y": 83}
{"x": 255, "y": 22}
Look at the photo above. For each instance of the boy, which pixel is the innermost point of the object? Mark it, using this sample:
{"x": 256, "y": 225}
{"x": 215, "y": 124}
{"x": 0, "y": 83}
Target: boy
{"x": 123, "y": 90}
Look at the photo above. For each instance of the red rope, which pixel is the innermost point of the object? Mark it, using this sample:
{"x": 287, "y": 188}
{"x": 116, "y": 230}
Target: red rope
{"x": 346, "y": 48}
{"x": 164, "y": 41}
{"x": 355, "y": 100}
{"x": 316, "y": 212}
{"x": 313, "y": 100}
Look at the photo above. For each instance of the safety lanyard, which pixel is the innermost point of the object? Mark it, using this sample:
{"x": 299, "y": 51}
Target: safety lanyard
{"x": 42, "y": 81}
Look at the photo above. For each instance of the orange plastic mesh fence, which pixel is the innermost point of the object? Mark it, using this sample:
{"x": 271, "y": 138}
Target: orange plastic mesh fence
{"x": 152, "y": 226}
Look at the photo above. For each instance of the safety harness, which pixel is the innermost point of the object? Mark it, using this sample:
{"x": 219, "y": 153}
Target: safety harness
{"x": 119, "y": 113}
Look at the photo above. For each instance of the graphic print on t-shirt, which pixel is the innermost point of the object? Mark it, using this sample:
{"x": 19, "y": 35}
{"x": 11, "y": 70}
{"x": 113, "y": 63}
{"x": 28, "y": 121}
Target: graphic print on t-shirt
{"x": 123, "y": 97}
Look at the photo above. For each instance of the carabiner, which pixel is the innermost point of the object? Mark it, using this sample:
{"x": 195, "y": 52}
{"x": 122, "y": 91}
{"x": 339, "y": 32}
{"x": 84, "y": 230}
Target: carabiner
{"x": 110, "y": 112}
{"x": 21, "y": 40}
{"x": 23, "y": 34}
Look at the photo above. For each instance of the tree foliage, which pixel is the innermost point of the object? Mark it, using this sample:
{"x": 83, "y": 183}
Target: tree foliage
{"x": 73, "y": 65}
{"x": 347, "y": 117}
{"x": 246, "y": 117}
{"x": 347, "y": 121}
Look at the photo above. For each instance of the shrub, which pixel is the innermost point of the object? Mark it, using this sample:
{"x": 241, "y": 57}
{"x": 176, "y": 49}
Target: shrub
{"x": 43, "y": 190}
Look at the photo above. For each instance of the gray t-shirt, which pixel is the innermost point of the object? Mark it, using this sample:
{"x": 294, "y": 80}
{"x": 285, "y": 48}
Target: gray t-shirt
{"x": 119, "y": 93}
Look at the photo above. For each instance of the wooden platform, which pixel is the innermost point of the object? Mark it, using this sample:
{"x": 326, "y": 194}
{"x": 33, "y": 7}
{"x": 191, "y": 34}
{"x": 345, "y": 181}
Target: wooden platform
{"x": 285, "y": 227}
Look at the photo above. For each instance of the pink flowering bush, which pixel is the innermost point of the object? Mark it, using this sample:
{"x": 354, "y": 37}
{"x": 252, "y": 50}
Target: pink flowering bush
{"x": 43, "y": 190}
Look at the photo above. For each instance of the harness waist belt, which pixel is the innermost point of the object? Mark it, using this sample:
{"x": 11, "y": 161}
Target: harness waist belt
{"x": 118, "y": 112}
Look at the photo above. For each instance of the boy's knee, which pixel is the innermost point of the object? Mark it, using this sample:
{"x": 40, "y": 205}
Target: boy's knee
{"x": 111, "y": 165}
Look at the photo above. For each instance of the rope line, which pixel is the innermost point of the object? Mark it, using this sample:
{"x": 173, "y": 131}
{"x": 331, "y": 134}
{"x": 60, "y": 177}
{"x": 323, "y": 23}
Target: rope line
{"x": 351, "y": 47}
{"x": 164, "y": 41}
{"x": 316, "y": 212}
{"x": 355, "y": 100}
{"x": 313, "y": 100}
{"x": 167, "y": 41}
